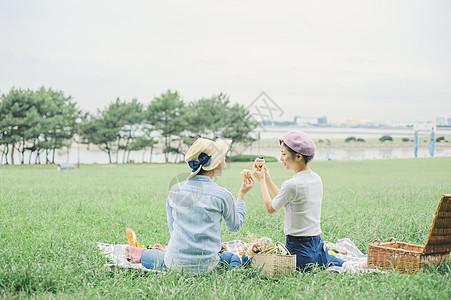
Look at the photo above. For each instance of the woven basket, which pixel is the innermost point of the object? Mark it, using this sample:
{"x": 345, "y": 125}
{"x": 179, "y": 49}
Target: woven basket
{"x": 275, "y": 265}
{"x": 409, "y": 258}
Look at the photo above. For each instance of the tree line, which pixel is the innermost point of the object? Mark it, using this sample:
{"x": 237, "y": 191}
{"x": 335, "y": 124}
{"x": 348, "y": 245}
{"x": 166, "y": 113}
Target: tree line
{"x": 36, "y": 123}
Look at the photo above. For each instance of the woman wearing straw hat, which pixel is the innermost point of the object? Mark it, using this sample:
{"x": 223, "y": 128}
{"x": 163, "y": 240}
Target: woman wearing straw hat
{"x": 195, "y": 209}
{"x": 301, "y": 198}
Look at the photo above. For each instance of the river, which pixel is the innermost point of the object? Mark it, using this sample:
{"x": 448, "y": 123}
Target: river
{"x": 268, "y": 146}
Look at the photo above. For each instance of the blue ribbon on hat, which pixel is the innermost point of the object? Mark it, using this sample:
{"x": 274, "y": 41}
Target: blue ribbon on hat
{"x": 204, "y": 160}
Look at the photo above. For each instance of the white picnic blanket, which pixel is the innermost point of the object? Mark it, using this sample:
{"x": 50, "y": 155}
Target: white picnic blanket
{"x": 353, "y": 255}
{"x": 116, "y": 253}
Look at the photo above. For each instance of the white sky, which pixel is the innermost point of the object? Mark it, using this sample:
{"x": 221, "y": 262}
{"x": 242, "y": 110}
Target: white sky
{"x": 373, "y": 60}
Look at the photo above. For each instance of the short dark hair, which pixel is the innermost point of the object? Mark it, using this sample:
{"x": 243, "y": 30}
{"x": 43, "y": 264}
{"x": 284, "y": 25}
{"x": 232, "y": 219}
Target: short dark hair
{"x": 306, "y": 158}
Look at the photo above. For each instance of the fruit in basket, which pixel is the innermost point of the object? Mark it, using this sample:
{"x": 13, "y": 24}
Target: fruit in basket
{"x": 256, "y": 248}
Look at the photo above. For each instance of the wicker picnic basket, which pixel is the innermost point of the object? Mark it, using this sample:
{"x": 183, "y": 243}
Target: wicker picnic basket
{"x": 273, "y": 264}
{"x": 409, "y": 258}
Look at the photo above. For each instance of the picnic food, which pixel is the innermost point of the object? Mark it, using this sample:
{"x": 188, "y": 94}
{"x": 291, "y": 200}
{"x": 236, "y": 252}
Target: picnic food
{"x": 340, "y": 251}
{"x": 257, "y": 245}
{"x": 259, "y": 162}
{"x": 133, "y": 254}
{"x": 246, "y": 173}
{"x": 159, "y": 247}
{"x": 131, "y": 237}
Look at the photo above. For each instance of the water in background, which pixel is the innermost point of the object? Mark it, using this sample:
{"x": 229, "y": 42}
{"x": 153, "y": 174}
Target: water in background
{"x": 277, "y": 132}
{"x": 273, "y": 134}
{"x": 324, "y": 152}
{"x": 356, "y": 152}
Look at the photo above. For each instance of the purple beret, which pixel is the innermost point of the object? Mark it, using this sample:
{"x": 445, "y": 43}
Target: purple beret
{"x": 300, "y": 142}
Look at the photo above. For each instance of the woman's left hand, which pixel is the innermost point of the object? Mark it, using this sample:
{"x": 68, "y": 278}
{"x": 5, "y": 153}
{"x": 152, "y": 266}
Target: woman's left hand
{"x": 247, "y": 185}
{"x": 259, "y": 174}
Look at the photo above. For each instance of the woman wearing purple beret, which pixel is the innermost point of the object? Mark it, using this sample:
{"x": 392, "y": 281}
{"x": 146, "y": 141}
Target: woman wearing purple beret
{"x": 300, "y": 197}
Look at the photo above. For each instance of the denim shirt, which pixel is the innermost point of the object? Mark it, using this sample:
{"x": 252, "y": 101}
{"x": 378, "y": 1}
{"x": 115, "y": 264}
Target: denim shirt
{"x": 195, "y": 209}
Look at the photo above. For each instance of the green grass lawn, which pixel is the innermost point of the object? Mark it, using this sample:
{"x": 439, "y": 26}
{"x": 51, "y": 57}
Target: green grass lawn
{"x": 51, "y": 221}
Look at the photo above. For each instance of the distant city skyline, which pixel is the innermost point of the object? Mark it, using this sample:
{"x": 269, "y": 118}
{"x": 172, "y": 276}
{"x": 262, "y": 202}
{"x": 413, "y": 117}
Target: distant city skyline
{"x": 380, "y": 61}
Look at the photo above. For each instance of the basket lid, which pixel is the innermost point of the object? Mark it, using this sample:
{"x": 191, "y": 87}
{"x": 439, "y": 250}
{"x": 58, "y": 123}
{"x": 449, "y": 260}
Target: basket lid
{"x": 439, "y": 238}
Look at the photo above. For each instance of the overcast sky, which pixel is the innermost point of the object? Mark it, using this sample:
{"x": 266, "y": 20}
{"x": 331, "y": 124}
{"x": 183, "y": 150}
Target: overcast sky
{"x": 370, "y": 60}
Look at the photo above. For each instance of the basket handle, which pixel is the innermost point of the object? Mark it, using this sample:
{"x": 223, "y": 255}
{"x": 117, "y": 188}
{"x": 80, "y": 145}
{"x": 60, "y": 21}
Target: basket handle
{"x": 268, "y": 251}
{"x": 273, "y": 249}
{"x": 376, "y": 240}
{"x": 392, "y": 240}
{"x": 283, "y": 246}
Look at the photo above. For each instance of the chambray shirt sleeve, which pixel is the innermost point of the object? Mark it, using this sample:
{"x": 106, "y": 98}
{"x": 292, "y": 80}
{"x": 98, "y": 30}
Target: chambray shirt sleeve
{"x": 169, "y": 217}
{"x": 234, "y": 212}
{"x": 284, "y": 196}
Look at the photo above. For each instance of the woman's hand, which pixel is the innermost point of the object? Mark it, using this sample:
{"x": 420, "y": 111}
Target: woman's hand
{"x": 262, "y": 175}
{"x": 266, "y": 171}
{"x": 223, "y": 248}
{"x": 259, "y": 173}
{"x": 248, "y": 184}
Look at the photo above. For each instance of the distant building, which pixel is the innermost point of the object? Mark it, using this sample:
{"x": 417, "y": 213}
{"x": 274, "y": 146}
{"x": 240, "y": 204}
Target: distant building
{"x": 441, "y": 121}
{"x": 322, "y": 120}
{"x": 305, "y": 121}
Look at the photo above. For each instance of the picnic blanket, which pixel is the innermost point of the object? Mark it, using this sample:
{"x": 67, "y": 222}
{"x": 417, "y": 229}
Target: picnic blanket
{"x": 116, "y": 253}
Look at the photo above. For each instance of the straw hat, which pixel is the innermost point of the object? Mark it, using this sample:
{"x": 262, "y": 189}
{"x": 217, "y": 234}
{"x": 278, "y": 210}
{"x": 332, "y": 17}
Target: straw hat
{"x": 206, "y": 154}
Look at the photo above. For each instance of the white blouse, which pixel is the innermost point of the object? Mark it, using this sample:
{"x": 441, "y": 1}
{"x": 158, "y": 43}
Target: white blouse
{"x": 301, "y": 198}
